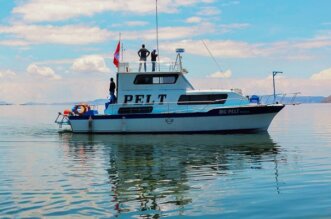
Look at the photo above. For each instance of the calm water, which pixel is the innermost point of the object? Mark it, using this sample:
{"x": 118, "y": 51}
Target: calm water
{"x": 285, "y": 173}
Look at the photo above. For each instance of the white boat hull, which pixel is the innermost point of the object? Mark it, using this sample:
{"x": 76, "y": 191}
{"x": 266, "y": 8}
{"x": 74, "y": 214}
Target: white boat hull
{"x": 239, "y": 119}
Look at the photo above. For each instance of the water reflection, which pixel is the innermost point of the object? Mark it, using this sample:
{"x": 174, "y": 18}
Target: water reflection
{"x": 157, "y": 175}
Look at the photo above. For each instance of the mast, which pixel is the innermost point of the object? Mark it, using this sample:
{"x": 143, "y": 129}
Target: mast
{"x": 157, "y": 34}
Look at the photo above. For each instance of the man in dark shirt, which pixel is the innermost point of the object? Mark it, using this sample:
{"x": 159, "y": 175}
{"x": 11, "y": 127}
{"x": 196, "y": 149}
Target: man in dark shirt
{"x": 112, "y": 88}
{"x": 153, "y": 59}
{"x": 143, "y": 53}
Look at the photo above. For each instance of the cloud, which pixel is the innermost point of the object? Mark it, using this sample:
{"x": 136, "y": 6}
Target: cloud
{"x": 136, "y": 23}
{"x": 226, "y": 48}
{"x": 234, "y": 26}
{"x": 263, "y": 86}
{"x": 323, "y": 75}
{"x": 7, "y": 74}
{"x": 91, "y": 63}
{"x": 209, "y": 11}
{"x": 13, "y": 42}
{"x": 58, "y": 10}
{"x": 170, "y": 33}
{"x": 42, "y": 72}
{"x": 69, "y": 34}
{"x": 220, "y": 74}
{"x": 81, "y": 35}
{"x": 193, "y": 20}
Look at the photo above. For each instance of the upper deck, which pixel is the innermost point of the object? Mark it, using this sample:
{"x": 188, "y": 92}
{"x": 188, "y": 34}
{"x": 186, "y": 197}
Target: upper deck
{"x": 133, "y": 67}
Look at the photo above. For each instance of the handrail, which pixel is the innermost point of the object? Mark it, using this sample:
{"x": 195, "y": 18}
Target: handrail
{"x": 283, "y": 98}
{"x": 133, "y": 67}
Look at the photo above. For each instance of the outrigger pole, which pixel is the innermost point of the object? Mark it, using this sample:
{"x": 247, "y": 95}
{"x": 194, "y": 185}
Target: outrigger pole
{"x": 157, "y": 34}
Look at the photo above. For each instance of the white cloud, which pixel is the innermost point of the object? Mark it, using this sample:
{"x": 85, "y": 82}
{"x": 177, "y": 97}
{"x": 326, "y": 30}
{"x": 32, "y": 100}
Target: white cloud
{"x": 42, "y": 72}
{"x": 13, "y": 42}
{"x": 136, "y": 23}
{"x": 57, "y": 10}
{"x": 234, "y": 26}
{"x": 69, "y": 34}
{"x": 323, "y": 75}
{"x": 91, "y": 63}
{"x": 193, "y": 20}
{"x": 170, "y": 33}
{"x": 263, "y": 86}
{"x": 227, "y": 48}
{"x": 314, "y": 43}
{"x": 209, "y": 11}
{"x": 7, "y": 74}
{"x": 221, "y": 74}
{"x": 80, "y": 35}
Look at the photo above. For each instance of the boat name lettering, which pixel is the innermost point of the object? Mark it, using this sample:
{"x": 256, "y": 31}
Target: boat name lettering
{"x": 141, "y": 98}
{"x": 229, "y": 111}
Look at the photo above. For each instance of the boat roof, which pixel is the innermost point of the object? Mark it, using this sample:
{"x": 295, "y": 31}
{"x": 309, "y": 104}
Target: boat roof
{"x": 150, "y": 72}
{"x": 160, "y": 68}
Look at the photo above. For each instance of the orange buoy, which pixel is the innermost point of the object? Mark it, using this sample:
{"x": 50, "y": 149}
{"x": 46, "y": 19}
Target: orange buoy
{"x": 67, "y": 112}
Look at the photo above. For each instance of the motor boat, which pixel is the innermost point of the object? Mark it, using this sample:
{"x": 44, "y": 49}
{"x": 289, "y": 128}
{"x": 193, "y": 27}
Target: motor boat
{"x": 164, "y": 101}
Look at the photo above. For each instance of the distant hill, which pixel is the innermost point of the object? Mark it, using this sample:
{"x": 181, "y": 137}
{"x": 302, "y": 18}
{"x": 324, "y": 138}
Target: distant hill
{"x": 309, "y": 99}
{"x": 91, "y": 102}
{"x": 33, "y": 103}
{"x": 327, "y": 99}
{"x": 4, "y": 103}
{"x": 290, "y": 100}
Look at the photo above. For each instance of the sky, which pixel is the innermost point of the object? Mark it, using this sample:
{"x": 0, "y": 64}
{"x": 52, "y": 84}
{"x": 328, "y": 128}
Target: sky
{"x": 62, "y": 50}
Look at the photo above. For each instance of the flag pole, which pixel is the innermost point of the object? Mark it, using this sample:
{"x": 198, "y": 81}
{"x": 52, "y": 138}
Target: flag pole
{"x": 119, "y": 41}
{"x": 157, "y": 34}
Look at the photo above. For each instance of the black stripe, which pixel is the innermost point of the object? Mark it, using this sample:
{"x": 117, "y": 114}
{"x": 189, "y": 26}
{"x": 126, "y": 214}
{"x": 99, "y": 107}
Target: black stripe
{"x": 235, "y": 131}
{"x": 236, "y": 111}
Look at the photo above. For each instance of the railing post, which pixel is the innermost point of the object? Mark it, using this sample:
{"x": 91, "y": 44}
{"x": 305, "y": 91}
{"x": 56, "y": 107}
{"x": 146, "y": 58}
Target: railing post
{"x": 274, "y": 73}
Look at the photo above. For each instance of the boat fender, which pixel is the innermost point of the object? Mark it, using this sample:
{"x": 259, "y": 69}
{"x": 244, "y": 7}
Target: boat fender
{"x": 80, "y": 109}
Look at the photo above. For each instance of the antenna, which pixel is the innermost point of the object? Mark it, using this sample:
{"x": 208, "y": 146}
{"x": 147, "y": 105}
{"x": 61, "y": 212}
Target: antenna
{"x": 219, "y": 67}
{"x": 157, "y": 34}
{"x": 122, "y": 52}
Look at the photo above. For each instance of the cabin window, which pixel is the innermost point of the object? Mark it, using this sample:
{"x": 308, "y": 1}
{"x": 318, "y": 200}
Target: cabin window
{"x": 156, "y": 79}
{"x": 202, "y": 99}
{"x": 135, "y": 110}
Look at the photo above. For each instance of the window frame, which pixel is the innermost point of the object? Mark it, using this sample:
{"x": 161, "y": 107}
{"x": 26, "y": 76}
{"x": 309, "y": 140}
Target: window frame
{"x": 135, "y": 110}
{"x": 141, "y": 77}
{"x": 186, "y": 99}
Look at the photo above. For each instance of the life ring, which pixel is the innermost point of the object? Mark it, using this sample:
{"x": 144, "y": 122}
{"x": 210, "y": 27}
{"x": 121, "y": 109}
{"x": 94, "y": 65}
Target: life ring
{"x": 80, "y": 109}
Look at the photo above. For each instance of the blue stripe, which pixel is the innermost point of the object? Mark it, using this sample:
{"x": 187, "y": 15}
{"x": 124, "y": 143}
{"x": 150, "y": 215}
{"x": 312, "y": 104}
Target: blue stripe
{"x": 236, "y": 111}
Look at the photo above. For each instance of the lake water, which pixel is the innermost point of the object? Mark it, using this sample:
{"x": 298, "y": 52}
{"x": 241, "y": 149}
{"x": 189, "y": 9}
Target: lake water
{"x": 285, "y": 173}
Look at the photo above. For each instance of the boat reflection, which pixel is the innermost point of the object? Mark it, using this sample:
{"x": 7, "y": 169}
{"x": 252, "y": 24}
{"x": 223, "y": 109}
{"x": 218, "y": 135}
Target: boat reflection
{"x": 151, "y": 174}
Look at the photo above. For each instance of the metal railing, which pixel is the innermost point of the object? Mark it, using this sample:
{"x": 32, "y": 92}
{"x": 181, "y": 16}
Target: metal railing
{"x": 159, "y": 67}
{"x": 62, "y": 120}
{"x": 281, "y": 98}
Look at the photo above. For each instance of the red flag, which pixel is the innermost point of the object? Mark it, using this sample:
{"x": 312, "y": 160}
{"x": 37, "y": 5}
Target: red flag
{"x": 116, "y": 60}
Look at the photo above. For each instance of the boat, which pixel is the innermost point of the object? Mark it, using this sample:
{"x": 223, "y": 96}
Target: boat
{"x": 165, "y": 102}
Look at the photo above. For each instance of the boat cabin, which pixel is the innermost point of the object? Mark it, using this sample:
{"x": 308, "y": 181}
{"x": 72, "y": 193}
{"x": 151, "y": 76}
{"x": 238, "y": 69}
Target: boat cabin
{"x": 166, "y": 90}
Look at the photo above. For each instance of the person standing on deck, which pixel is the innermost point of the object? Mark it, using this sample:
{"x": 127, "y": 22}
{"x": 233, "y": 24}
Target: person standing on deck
{"x": 153, "y": 59}
{"x": 143, "y": 53}
{"x": 112, "y": 88}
